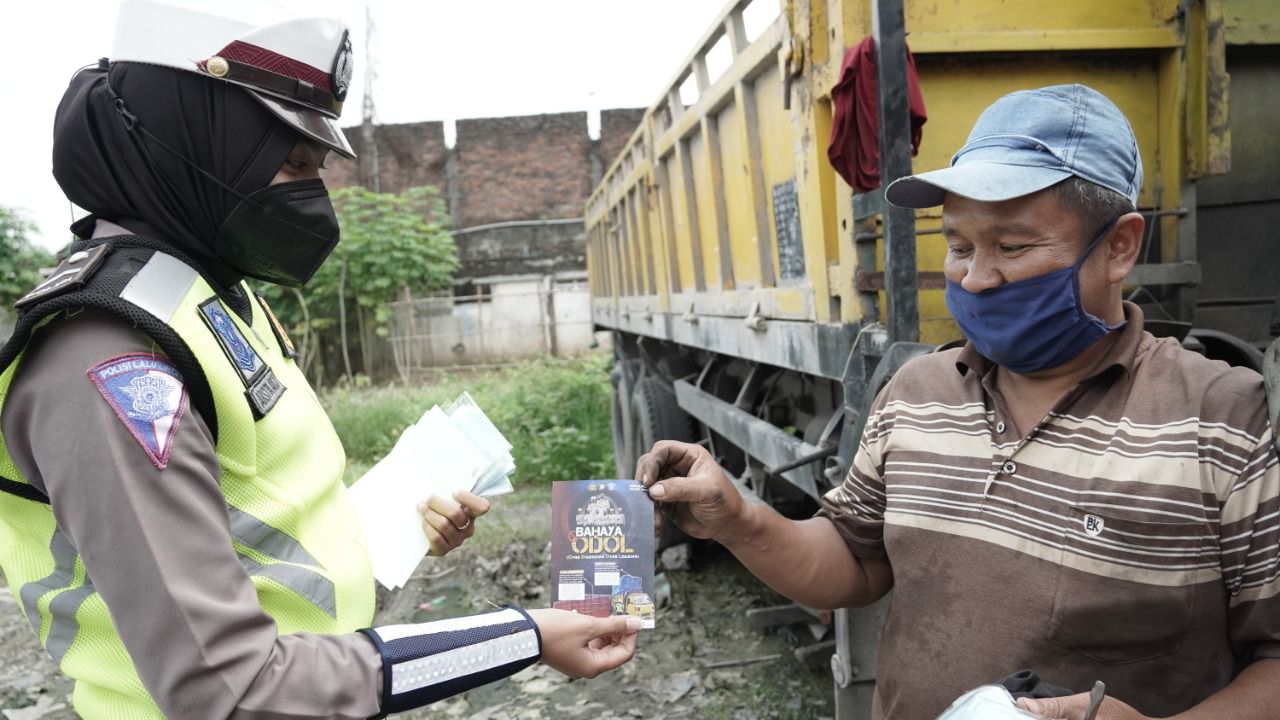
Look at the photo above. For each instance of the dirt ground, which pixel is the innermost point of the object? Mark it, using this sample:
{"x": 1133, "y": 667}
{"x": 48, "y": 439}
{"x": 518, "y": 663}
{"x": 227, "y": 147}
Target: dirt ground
{"x": 702, "y": 661}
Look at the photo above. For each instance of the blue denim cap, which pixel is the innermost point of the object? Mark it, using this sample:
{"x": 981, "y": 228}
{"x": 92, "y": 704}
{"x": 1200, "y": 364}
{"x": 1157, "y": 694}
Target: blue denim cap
{"x": 1031, "y": 139}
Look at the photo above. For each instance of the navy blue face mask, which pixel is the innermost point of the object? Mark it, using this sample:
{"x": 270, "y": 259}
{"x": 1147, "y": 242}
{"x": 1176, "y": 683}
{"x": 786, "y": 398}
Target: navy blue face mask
{"x": 1031, "y": 324}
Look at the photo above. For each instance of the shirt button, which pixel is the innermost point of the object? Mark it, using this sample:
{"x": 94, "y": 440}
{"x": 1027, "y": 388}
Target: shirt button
{"x": 1000, "y": 427}
{"x": 1008, "y": 468}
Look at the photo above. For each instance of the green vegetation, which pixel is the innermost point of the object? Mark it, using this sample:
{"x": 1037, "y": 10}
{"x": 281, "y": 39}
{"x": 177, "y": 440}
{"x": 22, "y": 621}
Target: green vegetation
{"x": 392, "y": 245}
{"x": 554, "y": 412}
{"x": 20, "y": 260}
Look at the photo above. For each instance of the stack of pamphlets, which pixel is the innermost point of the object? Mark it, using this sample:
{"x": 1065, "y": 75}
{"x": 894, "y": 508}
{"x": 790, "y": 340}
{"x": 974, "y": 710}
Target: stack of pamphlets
{"x": 602, "y": 548}
{"x": 449, "y": 449}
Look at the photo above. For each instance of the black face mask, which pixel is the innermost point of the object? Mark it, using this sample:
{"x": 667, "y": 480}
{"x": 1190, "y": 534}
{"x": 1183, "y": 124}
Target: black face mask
{"x": 281, "y": 233}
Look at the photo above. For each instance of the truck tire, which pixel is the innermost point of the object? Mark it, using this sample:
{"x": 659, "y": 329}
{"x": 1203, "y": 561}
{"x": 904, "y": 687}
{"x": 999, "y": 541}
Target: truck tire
{"x": 656, "y": 416}
{"x": 624, "y": 460}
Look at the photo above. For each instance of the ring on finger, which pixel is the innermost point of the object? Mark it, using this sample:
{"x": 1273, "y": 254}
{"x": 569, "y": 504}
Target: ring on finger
{"x": 464, "y": 525}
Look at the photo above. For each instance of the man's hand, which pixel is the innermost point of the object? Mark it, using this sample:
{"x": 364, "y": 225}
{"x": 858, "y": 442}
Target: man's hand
{"x": 1074, "y": 707}
{"x": 447, "y": 523}
{"x": 582, "y": 646}
{"x": 706, "y": 504}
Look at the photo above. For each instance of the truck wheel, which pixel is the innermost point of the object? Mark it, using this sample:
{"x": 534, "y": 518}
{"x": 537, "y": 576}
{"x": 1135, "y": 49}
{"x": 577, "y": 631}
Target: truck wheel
{"x": 624, "y": 460}
{"x": 656, "y": 416}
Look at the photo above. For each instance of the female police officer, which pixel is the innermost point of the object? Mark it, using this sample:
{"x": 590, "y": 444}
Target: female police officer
{"x": 174, "y": 522}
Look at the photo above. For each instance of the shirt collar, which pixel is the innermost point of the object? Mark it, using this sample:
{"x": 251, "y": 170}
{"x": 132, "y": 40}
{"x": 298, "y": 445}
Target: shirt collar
{"x": 1122, "y": 354}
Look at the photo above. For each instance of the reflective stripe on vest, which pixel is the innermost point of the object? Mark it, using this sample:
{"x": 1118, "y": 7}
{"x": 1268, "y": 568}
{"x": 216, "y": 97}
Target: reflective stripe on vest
{"x": 257, "y": 535}
{"x": 160, "y": 286}
{"x": 62, "y": 608}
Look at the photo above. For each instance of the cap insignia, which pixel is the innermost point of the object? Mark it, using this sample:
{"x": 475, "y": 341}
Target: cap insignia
{"x": 342, "y": 66}
{"x": 217, "y": 67}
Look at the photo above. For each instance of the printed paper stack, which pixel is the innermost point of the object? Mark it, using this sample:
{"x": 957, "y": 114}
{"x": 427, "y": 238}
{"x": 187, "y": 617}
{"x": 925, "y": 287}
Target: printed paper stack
{"x": 450, "y": 449}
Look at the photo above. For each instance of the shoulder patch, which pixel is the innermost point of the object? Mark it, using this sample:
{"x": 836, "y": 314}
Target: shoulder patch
{"x": 147, "y": 394}
{"x": 72, "y": 273}
{"x": 237, "y": 348}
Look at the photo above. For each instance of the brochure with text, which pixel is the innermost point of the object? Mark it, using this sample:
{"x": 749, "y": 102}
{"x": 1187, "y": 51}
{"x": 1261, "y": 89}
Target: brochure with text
{"x": 602, "y": 548}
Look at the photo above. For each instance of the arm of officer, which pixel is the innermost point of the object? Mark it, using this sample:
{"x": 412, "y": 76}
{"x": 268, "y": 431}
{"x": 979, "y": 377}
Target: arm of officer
{"x": 805, "y": 560}
{"x": 156, "y": 546}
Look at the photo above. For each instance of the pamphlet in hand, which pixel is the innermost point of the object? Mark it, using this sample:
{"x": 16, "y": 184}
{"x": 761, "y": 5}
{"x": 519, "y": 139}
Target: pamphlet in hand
{"x": 450, "y": 449}
{"x": 602, "y": 548}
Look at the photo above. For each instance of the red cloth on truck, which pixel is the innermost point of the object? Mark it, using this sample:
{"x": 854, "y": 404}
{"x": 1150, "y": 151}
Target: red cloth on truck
{"x": 855, "y": 129}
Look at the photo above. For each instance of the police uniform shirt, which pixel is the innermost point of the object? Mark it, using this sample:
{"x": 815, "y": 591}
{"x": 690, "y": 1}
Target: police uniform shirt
{"x": 156, "y": 544}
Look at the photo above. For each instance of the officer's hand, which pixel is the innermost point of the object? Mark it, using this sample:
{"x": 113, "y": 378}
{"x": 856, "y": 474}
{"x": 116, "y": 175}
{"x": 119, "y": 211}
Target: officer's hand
{"x": 582, "y": 646}
{"x": 687, "y": 482}
{"x": 1074, "y": 707}
{"x": 447, "y": 523}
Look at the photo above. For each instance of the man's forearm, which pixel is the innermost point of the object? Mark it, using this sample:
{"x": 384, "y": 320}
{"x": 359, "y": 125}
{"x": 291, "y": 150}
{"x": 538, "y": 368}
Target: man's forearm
{"x": 805, "y": 560}
{"x": 1251, "y": 696}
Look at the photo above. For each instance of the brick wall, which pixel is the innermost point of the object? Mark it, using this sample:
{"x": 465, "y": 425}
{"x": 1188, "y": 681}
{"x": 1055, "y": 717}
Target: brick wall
{"x": 616, "y": 127}
{"x": 536, "y": 167}
{"x": 522, "y": 168}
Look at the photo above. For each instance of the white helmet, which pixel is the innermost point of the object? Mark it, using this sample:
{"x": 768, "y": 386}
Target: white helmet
{"x": 300, "y": 69}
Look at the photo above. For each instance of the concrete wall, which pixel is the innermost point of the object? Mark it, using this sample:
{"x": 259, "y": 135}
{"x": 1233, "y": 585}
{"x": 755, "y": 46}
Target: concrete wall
{"x": 515, "y": 318}
{"x": 521, "y": 248}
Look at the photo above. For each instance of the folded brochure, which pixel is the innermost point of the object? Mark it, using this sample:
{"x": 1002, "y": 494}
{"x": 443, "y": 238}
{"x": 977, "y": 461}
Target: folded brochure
{"x": 449, "y": 449}
{"x": 602, "y": 548}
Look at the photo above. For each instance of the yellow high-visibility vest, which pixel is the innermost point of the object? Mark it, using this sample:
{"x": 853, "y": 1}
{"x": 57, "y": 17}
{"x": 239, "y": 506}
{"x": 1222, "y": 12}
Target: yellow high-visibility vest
{"x": 292, "y": 524}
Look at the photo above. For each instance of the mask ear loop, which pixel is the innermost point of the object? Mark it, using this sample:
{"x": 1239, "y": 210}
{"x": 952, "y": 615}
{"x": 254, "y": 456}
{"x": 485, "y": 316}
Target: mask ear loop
{"x": 1106, "y": 230}
{"x": 130, "y": 122}
{"x": 1075, "y": 276}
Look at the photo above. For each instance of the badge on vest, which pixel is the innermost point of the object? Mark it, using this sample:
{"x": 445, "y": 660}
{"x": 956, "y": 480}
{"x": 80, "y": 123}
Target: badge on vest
{"x": 148, "y": 396}
{"x": 262, "y": 389}
{"x": 286, "y": 343}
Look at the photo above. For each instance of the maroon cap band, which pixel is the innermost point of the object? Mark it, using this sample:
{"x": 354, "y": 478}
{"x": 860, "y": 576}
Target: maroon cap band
{"x": 276, "y": 74}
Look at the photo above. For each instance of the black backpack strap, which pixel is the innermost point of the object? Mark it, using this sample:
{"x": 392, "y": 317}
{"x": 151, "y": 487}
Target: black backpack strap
{"x": 22, "y": 490}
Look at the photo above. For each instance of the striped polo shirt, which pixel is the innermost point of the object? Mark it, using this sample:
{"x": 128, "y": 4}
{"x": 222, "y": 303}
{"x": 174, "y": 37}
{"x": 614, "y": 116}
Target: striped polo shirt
{"x": 1130, "y": 537}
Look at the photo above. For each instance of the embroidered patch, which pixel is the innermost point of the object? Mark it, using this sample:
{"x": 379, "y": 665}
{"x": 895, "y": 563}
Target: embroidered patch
{"x": 262, "y": 388}
{"x": 148, "y": 396}
{"x": 236, "y": 346}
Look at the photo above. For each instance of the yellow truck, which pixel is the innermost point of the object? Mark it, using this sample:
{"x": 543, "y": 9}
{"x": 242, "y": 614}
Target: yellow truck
{"x": 757, "y": 303}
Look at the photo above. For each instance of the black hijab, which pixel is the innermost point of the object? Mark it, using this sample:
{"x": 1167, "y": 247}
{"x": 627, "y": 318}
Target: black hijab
{"x": 127, "y": 177}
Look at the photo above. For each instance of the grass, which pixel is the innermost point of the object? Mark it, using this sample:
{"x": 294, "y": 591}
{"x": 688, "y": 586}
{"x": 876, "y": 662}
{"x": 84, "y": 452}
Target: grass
{"x": 553, "y": 411}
